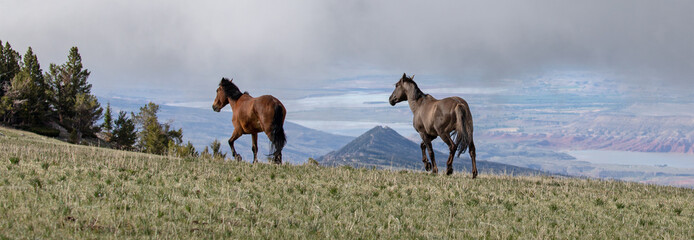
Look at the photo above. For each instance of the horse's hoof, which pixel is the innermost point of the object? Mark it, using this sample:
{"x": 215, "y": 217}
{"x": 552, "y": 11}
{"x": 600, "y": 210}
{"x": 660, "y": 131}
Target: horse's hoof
{"x": 474, "y": 174}
{"x": 238, "y": 157}
{"x": 449, "y": 171}
{"x": 435, "y": 171}
{"x": 427, "y": 166}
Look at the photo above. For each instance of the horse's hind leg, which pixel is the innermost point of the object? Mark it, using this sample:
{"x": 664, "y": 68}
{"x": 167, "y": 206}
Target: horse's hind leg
{"x": 277, "y": 157}
{"x": 471, "y": 150}
{"x": 234, "y": 136}
{"x": 451, "y": 147}
{"x": 255, "y": 147}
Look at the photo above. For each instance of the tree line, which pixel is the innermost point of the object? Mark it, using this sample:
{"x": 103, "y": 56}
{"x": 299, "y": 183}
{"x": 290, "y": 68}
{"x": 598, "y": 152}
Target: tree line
{"x": 61, "y": 99}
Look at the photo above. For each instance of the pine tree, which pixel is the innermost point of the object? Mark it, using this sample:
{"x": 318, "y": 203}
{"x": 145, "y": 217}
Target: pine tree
{"x": 188, "y": 150}
{"x": 26, "y": 97}
{"x": 216, "y": 150}
{"x": 108, "y": 121}
{"x": 37, "y": 100}
{"x": 70, "y": 94}
{"x": 67, "y": 81}
{"x": 124, "y": 133}
{"x": 155, "y": 137}
{"x": 9, "y": 65}
{"x": 87, "y": 113}
{"x": 151, "y": 135}
{"x": 206, "y": 153}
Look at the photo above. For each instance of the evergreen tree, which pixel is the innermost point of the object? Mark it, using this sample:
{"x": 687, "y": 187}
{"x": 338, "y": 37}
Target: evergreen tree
{"x": 70, "y": 95}
{"x": 188, "y": 150}
{"x": 37, "y": 100}
{"x": 108, "y": 121}
{"x": 155, "y": 137}
{"x": 87, "y": 113}
{"x": 216, "y": 150}
{"x": 9, "y": 66}
{"x": 206, "y": 153}
{"x": 176, "y": 136}
{"x": 26, "y": 97}
{"x": 150, "y": 131}
{"x": 59, "y": 92}
{"x": 124, "y": 133}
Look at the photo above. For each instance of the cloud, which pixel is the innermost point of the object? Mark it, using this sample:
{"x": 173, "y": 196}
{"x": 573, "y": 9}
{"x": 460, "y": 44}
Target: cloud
{"x": 191, "y": 44}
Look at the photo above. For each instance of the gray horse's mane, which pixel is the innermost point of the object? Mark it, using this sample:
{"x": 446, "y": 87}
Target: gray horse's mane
{"x": 417, "y": 92}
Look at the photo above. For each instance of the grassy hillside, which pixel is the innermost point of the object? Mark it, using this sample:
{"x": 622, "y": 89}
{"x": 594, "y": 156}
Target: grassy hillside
{"x": 50, "y": 189}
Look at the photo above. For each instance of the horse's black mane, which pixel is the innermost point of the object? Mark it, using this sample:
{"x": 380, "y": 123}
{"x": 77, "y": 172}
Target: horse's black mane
{"x": 418, "y": 92}
{"x": 230, "y": 89}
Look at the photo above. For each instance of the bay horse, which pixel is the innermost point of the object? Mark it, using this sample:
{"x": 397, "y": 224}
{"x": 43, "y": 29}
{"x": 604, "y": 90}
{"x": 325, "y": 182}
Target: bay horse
{"x": 253, "y": 115}
{"x": 446, "y": 118}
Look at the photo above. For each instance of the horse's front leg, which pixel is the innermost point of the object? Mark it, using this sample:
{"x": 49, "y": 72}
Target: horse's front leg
{"x": 255, "y": 147}
{"x": 234, "y": 136}
{"x": 427, "y": 165}
{"x": 434, "y": 169}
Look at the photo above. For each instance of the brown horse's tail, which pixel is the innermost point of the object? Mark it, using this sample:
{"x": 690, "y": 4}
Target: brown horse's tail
{"x": 463, "y": 128}
{"x": 277, "y": 131}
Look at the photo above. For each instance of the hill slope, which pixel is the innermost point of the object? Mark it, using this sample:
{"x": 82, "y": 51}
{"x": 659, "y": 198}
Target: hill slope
{"x": 383, "y": 147}
{"x": 50, "y": 189}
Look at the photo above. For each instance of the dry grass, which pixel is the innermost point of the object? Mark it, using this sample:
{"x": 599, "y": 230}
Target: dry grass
{"x": 50, "y": 189}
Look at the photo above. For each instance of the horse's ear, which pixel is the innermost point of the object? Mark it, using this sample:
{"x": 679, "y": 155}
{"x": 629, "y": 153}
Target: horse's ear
{"x": 232, "y": 79}
{"x": 412, "y": 77}
{"x": 404, "y": 75}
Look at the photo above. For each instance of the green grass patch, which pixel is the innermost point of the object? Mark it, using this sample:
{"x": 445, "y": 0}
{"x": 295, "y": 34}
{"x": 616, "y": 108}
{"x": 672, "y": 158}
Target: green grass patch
{"x": 70, "y": 191}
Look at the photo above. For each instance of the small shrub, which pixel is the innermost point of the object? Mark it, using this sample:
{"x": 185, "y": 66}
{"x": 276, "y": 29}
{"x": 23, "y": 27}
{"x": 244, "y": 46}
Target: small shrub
{"x": 45, "y": 166}
{"x": 599, "y": 202}
{"x": 36, "y": 183}
{"x": 472, "y": 202}
{"x": 678, "y": 211}
{"x": 553, "y": 207}
{"x": 312, "y": 162}
{"x": 619, "y": 205}
{"x": 509, "y": 206}
{"x": 99, "y": 193}
{"x": 644, "y": 223}
{"x": 14, "y": 160}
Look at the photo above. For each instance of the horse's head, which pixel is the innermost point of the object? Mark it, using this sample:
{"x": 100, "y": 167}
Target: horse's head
{"x": 225, "y": 91}
{"x": 401, "y": 88}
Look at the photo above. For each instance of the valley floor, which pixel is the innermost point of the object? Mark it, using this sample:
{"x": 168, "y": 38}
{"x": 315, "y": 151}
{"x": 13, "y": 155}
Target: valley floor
{"x": 51, "y": 189}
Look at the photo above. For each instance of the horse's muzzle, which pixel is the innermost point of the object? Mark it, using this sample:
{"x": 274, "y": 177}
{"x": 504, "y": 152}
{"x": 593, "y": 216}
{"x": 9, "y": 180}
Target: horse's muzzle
{"x": 215, "y": 108}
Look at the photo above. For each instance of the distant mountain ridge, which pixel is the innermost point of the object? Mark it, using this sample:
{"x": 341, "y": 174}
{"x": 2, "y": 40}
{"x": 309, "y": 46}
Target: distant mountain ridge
{"x": 383, "y": 147}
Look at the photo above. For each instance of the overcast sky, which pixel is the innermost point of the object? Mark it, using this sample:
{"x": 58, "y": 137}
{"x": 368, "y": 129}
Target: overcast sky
{"x": 190, "y": 45}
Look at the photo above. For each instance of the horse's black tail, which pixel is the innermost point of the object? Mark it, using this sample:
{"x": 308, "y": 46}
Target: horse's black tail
{"x": 463, "y": 128}
{"x": 277, "y": 137}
